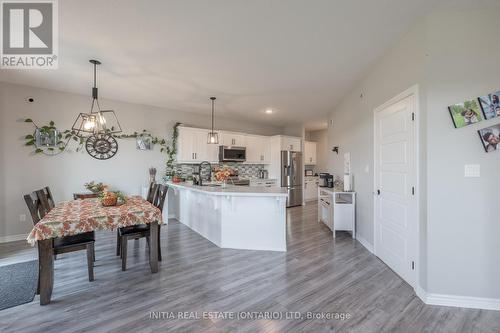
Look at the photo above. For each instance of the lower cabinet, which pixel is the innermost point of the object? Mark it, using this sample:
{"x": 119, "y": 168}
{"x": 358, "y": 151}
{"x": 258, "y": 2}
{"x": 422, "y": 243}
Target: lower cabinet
{"x": 311, "y": 189}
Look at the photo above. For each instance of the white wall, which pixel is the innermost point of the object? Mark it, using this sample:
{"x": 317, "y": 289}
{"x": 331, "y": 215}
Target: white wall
{"x": 452, "y": 56}
{"x": 21, "y": 173}
{"x": 463, "y": 213}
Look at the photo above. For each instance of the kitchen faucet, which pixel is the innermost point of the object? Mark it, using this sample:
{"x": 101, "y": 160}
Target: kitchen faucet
{"x": 209, "y": 171}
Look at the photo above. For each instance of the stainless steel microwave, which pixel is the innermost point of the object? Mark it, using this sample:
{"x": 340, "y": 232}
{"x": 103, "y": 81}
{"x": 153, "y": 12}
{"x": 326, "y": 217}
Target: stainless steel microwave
{"x": 232, "y": 154}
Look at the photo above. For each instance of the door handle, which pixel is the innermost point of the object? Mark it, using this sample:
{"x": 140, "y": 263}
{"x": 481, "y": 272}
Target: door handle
{"x": 378, "y": 192}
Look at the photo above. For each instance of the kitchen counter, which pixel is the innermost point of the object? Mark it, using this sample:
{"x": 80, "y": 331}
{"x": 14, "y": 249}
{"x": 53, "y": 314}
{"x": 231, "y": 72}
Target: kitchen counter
{"x": 233, "y": 190}
{"x": 237, "y": 217}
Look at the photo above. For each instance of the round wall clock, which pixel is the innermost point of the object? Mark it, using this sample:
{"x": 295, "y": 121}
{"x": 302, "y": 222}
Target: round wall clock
{"x": 101, "y": 146}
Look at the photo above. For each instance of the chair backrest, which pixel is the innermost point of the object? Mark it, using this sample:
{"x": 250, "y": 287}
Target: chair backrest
{"x": 161, "y": 194}
{"x": 46, "y": 198}
{"x": 81, "y": 196}
{"x": 153, "y": 188}
{"x": 50, "y": 198}
{"x": 34, "y": 206}
{"x": 43, "y": 202}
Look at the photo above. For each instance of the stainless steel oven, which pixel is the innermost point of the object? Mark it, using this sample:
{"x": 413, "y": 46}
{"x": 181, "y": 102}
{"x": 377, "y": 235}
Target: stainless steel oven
{"x": 232, "y": 154}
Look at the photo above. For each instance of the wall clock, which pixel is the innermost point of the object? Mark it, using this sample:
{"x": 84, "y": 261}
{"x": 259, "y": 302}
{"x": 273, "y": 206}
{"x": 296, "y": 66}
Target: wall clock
{"x": 101, "y": 146}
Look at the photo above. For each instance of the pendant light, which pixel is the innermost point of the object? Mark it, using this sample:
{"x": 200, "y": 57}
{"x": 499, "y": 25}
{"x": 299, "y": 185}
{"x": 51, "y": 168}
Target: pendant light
{"x": 97, "y": 121}
{"x": 213, "y": 137}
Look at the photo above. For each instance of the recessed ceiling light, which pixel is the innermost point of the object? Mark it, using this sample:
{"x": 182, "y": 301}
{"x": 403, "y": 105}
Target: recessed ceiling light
{"x": 269, "y": 111}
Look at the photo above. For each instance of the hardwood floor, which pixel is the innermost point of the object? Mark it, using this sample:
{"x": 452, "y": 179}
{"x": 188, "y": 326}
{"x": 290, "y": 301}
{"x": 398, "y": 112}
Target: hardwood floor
{"x": 317, "y": 274}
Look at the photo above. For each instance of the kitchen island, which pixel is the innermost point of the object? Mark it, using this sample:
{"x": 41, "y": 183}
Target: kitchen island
{"x": 237, "y": 217}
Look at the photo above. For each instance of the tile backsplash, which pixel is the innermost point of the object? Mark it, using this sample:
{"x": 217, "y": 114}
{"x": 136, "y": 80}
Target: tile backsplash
{"x": 244, "y": 170}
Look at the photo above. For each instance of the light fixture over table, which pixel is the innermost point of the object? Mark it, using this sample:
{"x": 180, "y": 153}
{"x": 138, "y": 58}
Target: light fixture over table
{"x": 97, "y": 121}
{"x": 98, "y": 126}
{"x": 213, "y": 137}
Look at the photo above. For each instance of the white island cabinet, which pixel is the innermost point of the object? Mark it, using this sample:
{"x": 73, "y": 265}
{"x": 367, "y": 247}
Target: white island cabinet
{"x": 237, "y": 217}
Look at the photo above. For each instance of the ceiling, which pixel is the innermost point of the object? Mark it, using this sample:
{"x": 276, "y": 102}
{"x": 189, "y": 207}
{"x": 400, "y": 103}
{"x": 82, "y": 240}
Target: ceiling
{"x": 297, "y": 57}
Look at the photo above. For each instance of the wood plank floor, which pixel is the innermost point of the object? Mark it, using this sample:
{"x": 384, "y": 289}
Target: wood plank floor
{"x": 317, "y": 274}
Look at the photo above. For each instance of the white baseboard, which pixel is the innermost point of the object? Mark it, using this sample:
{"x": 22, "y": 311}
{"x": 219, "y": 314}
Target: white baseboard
{"x": 459, "y": 301}
{"x": 365, "y": 243}
{"x": 13, "y": 238}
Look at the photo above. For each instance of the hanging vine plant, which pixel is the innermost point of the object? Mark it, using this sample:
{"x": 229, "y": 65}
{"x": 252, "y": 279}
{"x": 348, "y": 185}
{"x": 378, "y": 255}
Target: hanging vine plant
{"x": 47, "y": 140}
{"x": 172, "y": 151}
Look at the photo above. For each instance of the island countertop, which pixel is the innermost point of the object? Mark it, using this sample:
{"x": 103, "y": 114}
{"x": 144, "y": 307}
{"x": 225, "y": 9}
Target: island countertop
{"x": 232, "y": 190}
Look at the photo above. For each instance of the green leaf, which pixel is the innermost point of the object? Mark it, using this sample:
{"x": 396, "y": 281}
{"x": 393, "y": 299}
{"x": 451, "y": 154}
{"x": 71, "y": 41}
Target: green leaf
{"x": 30, "y": 143}
{"x": 28, "y": 120}
{"x": 51, "y": 123}
{"x": 75, "y": 138}
{"x": 61, "y": 148}
{"x": 51, "y": 149}
{"x": 29, "y": 137}
{"x": 38, "y": 151}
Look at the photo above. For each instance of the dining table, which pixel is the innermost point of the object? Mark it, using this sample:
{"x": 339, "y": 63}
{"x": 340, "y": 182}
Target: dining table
{"x": 74, "y": 217}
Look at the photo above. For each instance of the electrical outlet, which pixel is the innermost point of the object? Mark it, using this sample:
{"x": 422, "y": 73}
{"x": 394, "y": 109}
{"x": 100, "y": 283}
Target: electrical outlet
{"x": 22, "y": 217}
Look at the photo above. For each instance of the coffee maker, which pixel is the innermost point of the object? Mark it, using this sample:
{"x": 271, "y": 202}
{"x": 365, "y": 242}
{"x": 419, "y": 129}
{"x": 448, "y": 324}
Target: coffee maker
{"x": 323, "y": 179}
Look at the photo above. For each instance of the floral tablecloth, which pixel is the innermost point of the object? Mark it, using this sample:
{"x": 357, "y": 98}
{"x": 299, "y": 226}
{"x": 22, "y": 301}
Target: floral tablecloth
{"x": 78, "y": 216}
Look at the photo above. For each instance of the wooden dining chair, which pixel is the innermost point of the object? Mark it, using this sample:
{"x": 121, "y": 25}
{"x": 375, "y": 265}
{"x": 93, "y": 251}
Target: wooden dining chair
{"x": 37, "y": 202}
{"x": 153, "y": 188}
{"x": 81, "y": 196}
{"x": 142, "y": 230}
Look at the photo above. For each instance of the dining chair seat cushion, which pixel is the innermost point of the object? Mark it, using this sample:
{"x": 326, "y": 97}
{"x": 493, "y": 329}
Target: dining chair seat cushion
{"x": 75, "y": 239}
{"x": 134, "y": 229}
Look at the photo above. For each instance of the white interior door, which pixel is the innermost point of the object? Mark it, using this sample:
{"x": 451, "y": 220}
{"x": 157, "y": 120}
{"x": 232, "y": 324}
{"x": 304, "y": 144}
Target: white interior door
{"x": 395, "y": 178}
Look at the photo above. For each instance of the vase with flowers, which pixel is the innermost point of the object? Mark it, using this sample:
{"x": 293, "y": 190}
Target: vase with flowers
{"x": 222, "y": 175}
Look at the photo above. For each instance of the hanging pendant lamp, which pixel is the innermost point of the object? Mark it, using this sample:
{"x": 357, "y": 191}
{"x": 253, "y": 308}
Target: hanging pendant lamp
{"x": 97, "y": 121}
{"x": 213, "y": 137}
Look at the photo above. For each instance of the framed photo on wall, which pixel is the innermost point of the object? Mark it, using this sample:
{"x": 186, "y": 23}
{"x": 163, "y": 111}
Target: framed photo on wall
{"x": 490, "y": 104}
{"x": 490, "y": 137}
{"x": 466, "y": 113}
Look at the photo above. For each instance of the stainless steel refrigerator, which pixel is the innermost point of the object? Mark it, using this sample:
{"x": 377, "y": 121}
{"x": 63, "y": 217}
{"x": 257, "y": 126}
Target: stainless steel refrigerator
{"x": 291, "y": 176}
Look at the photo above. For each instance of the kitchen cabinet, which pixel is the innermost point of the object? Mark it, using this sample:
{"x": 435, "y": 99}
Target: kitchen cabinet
{"x": 232, "y": 139}
{"x": 258, "y": 149}
{"x": 291, "y": 143}
{"x": 311, "y": 189}
{"x": 310, "y": 153}
{"x": 192, "y": 146}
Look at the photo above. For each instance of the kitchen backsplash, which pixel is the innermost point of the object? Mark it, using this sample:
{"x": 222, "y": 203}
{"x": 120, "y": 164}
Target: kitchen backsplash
{"x": 244, "y": 170}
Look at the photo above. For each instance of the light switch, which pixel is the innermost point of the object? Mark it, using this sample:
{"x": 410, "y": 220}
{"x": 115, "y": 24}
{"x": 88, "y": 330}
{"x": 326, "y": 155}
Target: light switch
{"x": 472, "y": 170}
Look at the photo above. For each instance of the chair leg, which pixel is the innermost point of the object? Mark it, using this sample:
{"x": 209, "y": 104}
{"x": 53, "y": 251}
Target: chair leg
{"x": 124, "y": 253}
{"x": 55, "y": 256}
{"x": 118, "y": 243}
{"x": 90, "y": 261}
{"x": 93, "y": 253}
{"x": 159, "y": 243}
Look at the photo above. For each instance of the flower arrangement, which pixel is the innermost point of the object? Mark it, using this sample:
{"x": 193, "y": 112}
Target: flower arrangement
{"x": 96, "y": 187}
{"x": 223, "y": 174}
{"x": 112, "y": 198}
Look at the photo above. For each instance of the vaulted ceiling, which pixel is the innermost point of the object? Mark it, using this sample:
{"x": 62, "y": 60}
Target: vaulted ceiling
{"x": 297, "y": 57}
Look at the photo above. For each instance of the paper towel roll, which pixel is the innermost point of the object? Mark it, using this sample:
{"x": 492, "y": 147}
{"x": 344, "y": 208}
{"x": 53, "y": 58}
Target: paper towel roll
{"x": 347, "y": 183}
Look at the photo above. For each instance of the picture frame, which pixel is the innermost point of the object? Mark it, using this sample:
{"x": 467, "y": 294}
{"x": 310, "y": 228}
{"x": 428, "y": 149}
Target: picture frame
{"x": 144, "y": 142}
{"x": 490, "y": 105}
{"x": 490, "y": 138}
{"x": 465, "y": 113}
{"x": 45, "y": 138}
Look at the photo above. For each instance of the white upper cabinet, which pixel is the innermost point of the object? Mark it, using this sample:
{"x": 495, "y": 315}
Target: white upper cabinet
{"x": 291, "y": 143}
{"x": 232, "y": 139}
{"x": 192, "y": 146}
{"x": 258, "y": 149}
{"x": 310, "y": 153}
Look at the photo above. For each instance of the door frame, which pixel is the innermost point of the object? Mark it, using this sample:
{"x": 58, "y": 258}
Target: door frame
{"x": 413, "y": 90}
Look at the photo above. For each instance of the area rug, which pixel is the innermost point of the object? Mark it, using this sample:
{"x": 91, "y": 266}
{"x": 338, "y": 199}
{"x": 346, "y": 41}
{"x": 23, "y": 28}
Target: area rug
{"x": 18, "y": 283}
